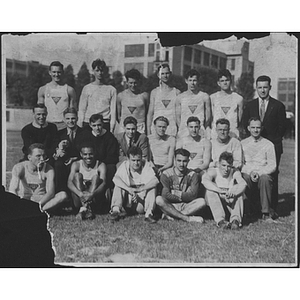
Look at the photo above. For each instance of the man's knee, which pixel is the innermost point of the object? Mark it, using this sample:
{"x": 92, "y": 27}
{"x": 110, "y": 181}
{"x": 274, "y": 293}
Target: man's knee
{"x": 199, "y": 202}
{"x": 265, "y": 179}
{"x": 160, "y": 201}
{"x": 61, "y": 197}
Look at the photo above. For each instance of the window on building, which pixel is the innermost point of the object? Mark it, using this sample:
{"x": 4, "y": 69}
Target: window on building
{"x": 8, "y": 64}
{"x": 7, "y": 116}
{"x": 157, "y": 56}
{"x": 150, "y": 49}
{"x": 136, "y": 50}
{"x": 232, "y": 67}
{"x": 206, "y": 59}
{"x": 287, "y": 90}
{"x": 150, "y": 68}
{"x": 167, "y": 55}
{"x": 197, "y": 57}
{"x": 214, "y": 61}
{"x": 222, "y": 63}
{"x": 138, "y": 66}
{"x": 157, "y": 46}
{"x": 20, "y": 66}
{"x": 188, "y": 54}
{"x": 185, "y": 69}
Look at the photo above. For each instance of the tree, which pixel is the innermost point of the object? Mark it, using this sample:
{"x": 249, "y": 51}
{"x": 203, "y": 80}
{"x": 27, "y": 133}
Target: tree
{"x": 69, "y": 77}
{"x": 83, "y": 78}
{"x": 245, "y": 86}
{"x": 208, "y": 80}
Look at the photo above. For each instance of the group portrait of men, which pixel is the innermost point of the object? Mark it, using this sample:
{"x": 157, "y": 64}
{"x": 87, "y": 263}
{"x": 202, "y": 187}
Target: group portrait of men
{"x": 166, "y": 155}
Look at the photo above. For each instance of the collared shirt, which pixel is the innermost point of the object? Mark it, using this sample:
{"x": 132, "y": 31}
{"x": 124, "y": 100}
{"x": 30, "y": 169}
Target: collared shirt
{"x": 72, "y": 132}
{"x": 258, "y": 156}
{"x": 266, "y": 102}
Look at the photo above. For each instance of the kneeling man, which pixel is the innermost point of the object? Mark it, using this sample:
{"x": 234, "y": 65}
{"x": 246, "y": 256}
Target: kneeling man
{"x": 135, "y": 187}
{"x": 37, "y": 179}
{"x": 224, "y": 189}
{"x": 87, "y": 181}
{"x": 179, "y": 198}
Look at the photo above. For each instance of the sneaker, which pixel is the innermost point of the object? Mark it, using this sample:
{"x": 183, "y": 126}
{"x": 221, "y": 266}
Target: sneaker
{"x": 150, "y": 219}
{"x": 267, "y": 218}
{"x": 235, "y": 225}
{"x": 114, "y": 216}
{"x": 166, "y": 217}
{"x": 195, "y": 219}
{"x": 81, "y": 213}
{"x": 223, "y": 224}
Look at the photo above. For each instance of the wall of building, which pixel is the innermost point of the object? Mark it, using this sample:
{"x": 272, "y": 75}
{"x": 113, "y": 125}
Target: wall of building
{"x": 17, "y": 118}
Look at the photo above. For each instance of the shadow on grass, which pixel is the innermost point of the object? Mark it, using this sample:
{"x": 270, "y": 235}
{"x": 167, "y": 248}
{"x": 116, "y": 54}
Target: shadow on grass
{"x": 286, "y": 204}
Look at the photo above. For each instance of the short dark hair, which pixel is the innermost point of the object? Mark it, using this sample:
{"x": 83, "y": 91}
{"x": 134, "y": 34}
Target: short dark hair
{"x": 35, "y": 146}
{"x": 39, "y": 105}
{"x": 87, "y": 145}
{"x": 70, "y": 110}
{"x": 134, "y": 150}
{"x": 193, "y": 119}
{"x": 227, "y": 156}
{"x": 56, "y": 63}
{"x": 183, "y": 152}
{"x": 263, "y": 78}
{"x": 191, "y": 73}
{"x": 163, "y": 66}
{"x": 134, "y": 74}
{"x": 100, "y": 64}
{"x": 254, "y": 119}
{"x": 130, "y": 120}
{"x": 226, "y": 73}
{"x": 223, "y": 121}
{"x": 162, "y": 119}
{"x": 96, "y": 117}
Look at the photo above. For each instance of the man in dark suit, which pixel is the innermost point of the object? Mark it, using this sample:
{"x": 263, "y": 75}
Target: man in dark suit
{"x": 131, "y": 137}
{"x": 272, "y": 114}
{"x": 67, "y": 150}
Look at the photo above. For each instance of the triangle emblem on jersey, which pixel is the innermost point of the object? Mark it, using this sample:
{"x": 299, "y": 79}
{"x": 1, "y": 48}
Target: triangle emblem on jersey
{"x": 225, "y": 109}
{"x": 56, "y": 99}
{"x": 33, "y": 186}
{"x": 192, "y": 155}
{"x": 193, "y": 108}
{"x": 166, "y": 103}
{"x": 131, "y": 108}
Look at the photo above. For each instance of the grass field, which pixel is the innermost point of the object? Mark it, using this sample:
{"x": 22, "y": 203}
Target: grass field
{"x": 133, "y": 242}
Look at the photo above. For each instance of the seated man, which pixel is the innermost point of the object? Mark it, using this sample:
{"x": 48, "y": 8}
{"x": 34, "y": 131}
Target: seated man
{"x": 224, "y": 142}
{"x": 162, "y": 145}
{"x": 105, "y": 144}
{"x": 66, "y": 151}
{"x": 37, "y": 180}
{"x": 224, "y": 189}
{"x": 199, "y": 148}
{"x": 179, "y": 198}
{"x": 135, "y": 187}
{"x": 40, "y": 131}
{"x": 259, "y": 163}
{"x": 131, "y": 137}
{"x": 87, "y": 182}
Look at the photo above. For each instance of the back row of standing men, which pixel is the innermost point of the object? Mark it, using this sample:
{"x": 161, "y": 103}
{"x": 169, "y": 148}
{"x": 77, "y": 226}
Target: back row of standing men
{"x": 191, "y": 117}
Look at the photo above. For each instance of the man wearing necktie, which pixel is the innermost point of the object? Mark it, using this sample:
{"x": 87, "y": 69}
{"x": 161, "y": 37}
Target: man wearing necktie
{"x": 272, "y": 114}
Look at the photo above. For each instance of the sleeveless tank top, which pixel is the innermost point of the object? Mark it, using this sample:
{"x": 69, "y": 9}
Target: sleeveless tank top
{"x": 133, "y": 105}
{"x": 88, "y": 174}
{"x": 34, "y": 184}
{"x": 164, "y": 105}
{"x": 196, "y": 150}
{"x": 56, "y": 101}
{"x": 224, "y": 183}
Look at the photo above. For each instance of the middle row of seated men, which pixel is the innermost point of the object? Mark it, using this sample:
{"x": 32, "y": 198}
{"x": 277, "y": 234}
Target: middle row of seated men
{"x": 254, "y": 157}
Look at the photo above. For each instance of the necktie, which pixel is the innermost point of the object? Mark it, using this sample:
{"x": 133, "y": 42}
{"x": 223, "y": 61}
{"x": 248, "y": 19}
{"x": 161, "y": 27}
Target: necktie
{"x": 71, "y": 136}
{"x": 130, "y": 143}
{"x": 262, "y": 110}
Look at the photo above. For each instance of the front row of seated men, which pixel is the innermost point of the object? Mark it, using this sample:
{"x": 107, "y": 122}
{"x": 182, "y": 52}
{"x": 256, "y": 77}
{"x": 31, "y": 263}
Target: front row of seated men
{"x": 182, "y": 192}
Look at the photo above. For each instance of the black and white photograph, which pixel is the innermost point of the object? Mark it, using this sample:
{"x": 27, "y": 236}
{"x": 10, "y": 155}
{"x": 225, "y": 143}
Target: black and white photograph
{"x": 145, "y": 149}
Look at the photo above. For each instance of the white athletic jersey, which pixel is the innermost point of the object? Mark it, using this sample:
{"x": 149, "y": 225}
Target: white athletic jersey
{"x": 134, "y": 106}
{"x": 164, "y": 105}
{"x": 160, "y": 148}
{"x": 191, "y": 105}
{"x": 225, "y": 183}
{"x": 195, "y": 148}
{"x": 88, "y": 174}
{"x": 56, "y": 101}
{"x": 226, "y": 107}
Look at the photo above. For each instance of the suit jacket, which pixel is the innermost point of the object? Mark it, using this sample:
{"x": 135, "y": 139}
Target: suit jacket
{"x": 140, "y": 140}
{"x": 273, "y": 123}
{"x": 72, "y": 150}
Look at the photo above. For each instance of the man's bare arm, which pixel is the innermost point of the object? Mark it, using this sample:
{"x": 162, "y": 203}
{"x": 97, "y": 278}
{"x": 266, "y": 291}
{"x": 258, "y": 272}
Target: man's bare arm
{"x": 41, "y": 95}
